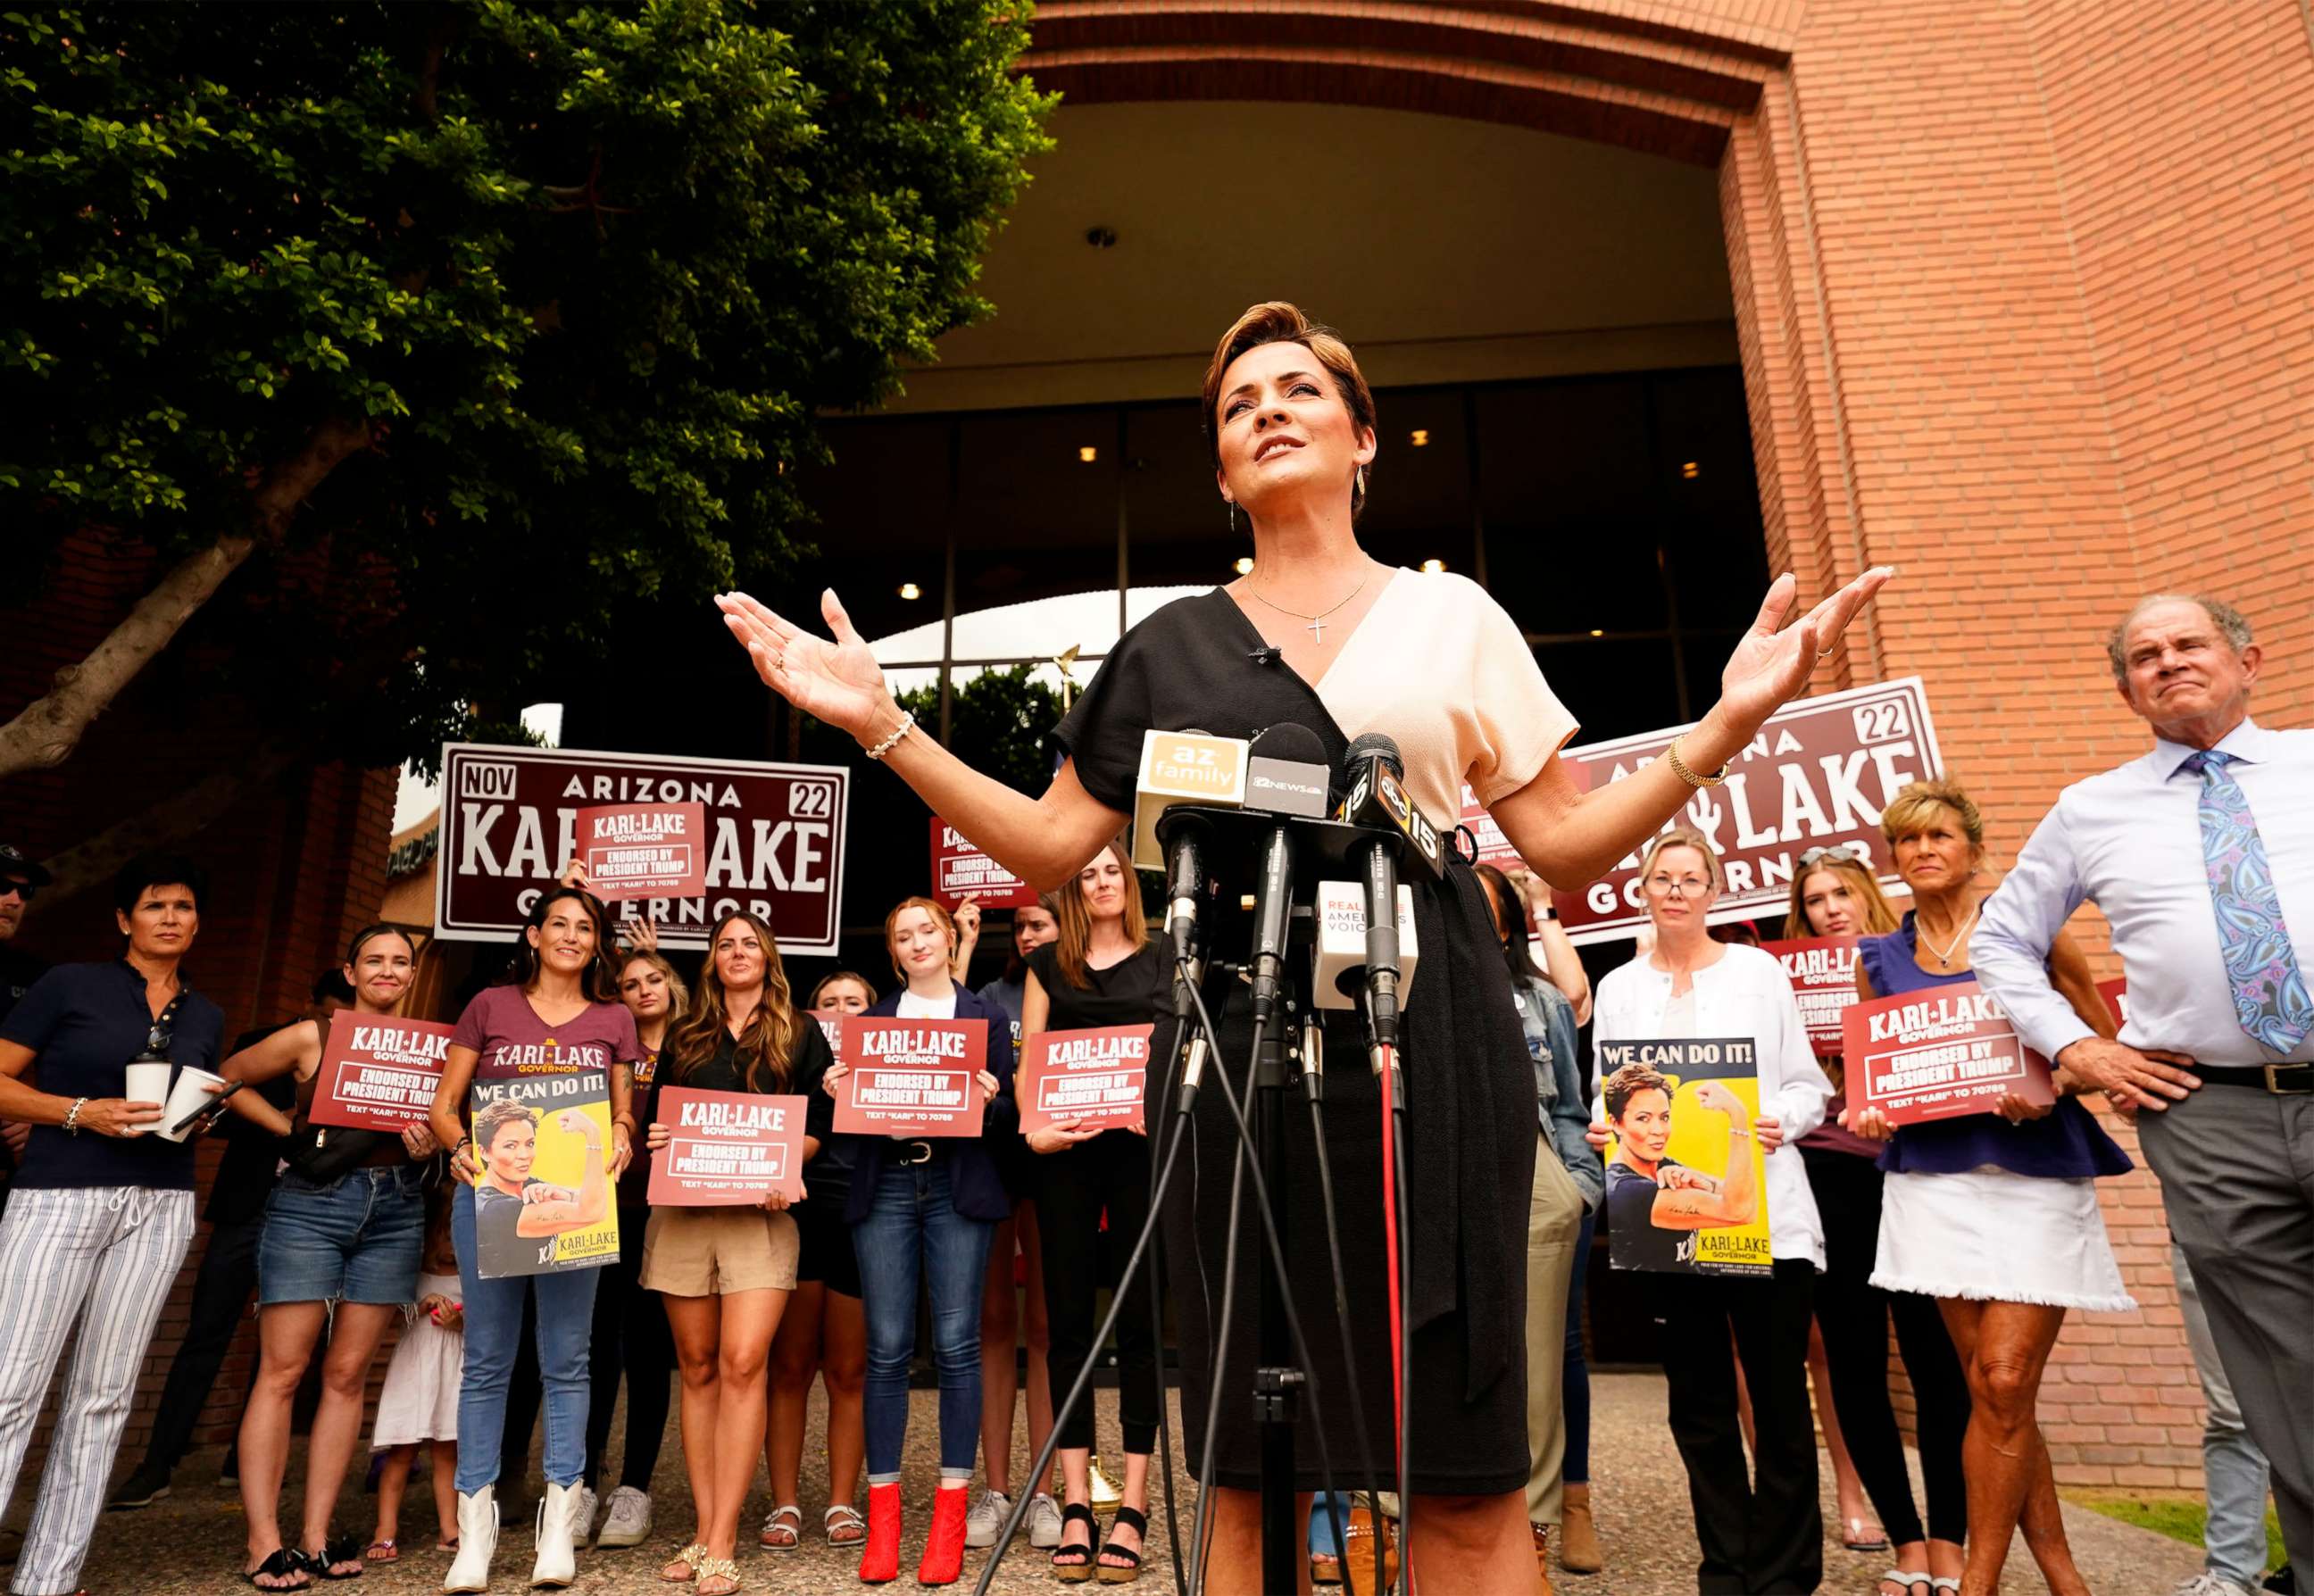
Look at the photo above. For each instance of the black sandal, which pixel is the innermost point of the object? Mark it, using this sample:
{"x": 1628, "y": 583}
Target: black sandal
{"x": 1081, "y": 1571}
{"x": 1111, "y": 1573}
{"x": 337, "y": 1549}
{"x": 281, "y": 1565}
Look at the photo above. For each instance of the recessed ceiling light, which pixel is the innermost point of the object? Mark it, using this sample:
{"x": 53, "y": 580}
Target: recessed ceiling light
{"x": 1434, "y": 565}
{"x": 910, "y": 590}
{"x": 1245, "y": 565}
{"x": 1691, "y": 469}
{"x": 1421, "y": 439}
{"x": 1088, "y": 453}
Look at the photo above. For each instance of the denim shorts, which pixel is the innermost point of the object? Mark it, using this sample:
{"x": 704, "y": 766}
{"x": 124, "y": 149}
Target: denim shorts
{"x": 357, "y": 1239}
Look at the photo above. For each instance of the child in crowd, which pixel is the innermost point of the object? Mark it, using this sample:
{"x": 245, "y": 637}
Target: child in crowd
{"x": 418, "y": 1403}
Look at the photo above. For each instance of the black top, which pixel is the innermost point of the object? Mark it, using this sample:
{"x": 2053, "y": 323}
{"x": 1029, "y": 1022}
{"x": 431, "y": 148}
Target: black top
{"x": 1634, "y": 1239}
{"x": 808, "y": 1065}
{"x": 83, "y": 1023}
{"x": 244, "y": 1175}
{"x": 1136, "y": 991}
{"x": 18, "y": 971}
{"x": 1200, "y": 663}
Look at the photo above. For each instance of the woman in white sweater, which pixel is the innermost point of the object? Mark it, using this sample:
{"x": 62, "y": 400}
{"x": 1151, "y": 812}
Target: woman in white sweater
{"x": 1768, "y": 1536}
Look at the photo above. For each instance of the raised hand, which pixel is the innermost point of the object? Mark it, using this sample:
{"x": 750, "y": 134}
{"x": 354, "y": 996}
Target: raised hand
{"x": 837, "y": 681}
{"x": 1769, "y": 665}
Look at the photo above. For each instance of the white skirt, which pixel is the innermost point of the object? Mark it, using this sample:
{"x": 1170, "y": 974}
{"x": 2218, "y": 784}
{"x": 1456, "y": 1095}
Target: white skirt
{"x": 419, "y": 1398}
{"x": 1994, "y": 1236}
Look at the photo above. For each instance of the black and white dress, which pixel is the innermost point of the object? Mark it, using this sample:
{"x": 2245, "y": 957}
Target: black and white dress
{"x": 1439, "y": 667}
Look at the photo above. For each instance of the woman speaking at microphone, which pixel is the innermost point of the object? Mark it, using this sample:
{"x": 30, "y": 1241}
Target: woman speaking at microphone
{"x": 1319, "y": 634}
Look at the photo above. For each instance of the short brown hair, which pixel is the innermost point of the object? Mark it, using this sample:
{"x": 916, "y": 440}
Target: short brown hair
{"x": 494, "y": 1117}
{"x": 1916, "y": 805}
{"x": 1628, "y": 1082}
{"x": 1274, "y": 321}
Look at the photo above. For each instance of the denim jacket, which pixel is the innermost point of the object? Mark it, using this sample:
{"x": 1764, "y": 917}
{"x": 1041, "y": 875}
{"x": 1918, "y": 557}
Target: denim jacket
{"x": 1560, "y": 1112}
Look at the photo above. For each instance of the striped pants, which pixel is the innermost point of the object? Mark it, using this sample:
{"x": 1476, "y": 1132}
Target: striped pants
{"x": 102, "y": 1258}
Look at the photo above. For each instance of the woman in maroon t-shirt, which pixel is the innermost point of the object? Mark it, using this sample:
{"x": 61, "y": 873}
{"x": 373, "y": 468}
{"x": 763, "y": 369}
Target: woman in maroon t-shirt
{"x": 558, "y": 1014}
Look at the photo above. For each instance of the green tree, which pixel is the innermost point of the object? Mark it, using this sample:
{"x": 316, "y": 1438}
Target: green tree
{"x": 455, "y": 324}
{"x": 998, "y": 720}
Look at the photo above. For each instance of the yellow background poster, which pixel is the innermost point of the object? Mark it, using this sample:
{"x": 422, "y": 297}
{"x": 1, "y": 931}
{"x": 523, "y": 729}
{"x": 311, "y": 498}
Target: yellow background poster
{"x": 1686, "y": 1193}
{"x": 544, "y": 1201}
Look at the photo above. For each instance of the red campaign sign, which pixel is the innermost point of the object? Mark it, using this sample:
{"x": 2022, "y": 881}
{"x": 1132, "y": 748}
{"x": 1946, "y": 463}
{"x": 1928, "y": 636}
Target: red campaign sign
{"x": 1817, "y": 776}
{"x": 831, "y": 1026}
{"x": 635, "y": 851}
{"x": 1098, "y": 1077}
{"x": 1938, "y": 1052}
{"x": 1822, "y": 972}
{"x": 725, "y": 1149}
{"x": 911, "y": 1077}
{"x": 2116, "y": 993}
{"x": 774, "y": 839}
{"x": 378, "y": 1073}
{"x": 961, "y": 870}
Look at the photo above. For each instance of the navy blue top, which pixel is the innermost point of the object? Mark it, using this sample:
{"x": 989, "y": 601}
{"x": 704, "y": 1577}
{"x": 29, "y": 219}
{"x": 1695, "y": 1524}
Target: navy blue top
{"x": 83, "y": 1023}
{"x": 976, "y": 1187}
{"x": 2065, "y": 1144}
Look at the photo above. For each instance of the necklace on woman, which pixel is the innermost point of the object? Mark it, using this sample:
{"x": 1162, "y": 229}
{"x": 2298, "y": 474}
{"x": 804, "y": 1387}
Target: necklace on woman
{"x": 1317, "y": 627}
{"x": 1943, "y": 956}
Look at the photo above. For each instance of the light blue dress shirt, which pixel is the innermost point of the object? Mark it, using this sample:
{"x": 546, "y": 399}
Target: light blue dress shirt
{"x": 2129, "y": 841}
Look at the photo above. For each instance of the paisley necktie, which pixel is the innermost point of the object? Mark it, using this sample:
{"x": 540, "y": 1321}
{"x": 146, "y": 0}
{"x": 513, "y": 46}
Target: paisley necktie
{"x": 2269, "y": 991}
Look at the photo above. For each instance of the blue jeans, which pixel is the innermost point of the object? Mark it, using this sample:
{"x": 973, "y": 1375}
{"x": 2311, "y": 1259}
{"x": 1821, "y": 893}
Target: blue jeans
{"x": 913, "y": 1226}
{"x": 566, "y": 1317}
{"x": 2235, "y": 1538}
{"x": 356, "y": 1239}
{"x": 1575, "y": 1384}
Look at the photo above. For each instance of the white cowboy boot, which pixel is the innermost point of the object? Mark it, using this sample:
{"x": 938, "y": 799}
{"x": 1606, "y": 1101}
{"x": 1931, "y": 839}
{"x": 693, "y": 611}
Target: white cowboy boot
{"x": 478, "y": 1538}
{"x": 558, "y": 1527}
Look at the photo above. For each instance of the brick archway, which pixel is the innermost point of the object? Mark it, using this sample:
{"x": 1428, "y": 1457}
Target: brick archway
{"x": 1664, "y": 79}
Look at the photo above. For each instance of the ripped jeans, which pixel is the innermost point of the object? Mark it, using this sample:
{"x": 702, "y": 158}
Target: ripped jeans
{"x": 356, "y": 1239}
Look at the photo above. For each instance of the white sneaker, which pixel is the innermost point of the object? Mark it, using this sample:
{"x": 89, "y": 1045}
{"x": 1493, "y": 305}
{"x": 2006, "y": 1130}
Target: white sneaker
{"x": 583, "y": 1524}
{"x": 628, "y": 1521}
{"x": 1044, "y": 1521}
{"x": 2211, "y": 1583}
{"x": 986, "y": 1517}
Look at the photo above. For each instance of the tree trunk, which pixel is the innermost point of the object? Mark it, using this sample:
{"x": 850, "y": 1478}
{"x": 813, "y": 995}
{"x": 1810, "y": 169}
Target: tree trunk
{"x": 48, "y": 728}
{"x": 177, "y": 816}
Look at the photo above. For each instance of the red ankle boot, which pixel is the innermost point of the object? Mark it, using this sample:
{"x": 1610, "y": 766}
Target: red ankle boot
{"x": 880, "y": 1556}
{"x": 943, "y": 1561}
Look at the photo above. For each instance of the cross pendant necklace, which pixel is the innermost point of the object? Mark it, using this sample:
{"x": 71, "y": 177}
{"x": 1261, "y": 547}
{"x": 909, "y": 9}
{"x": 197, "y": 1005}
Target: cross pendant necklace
{"x": 1317, "y": 627}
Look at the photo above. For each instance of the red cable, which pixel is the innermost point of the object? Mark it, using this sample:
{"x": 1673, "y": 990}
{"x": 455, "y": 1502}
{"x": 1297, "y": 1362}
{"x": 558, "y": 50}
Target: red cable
{"x": 1389, "y": 1242}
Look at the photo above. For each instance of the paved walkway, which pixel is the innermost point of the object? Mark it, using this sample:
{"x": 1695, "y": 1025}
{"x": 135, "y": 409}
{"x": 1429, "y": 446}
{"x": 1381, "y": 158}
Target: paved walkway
{"x": 191, "y": 1541}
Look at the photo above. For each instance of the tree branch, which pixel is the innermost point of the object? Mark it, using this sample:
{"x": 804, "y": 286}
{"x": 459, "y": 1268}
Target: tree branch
{"x": 48, "y": 728}
{"x": 183, "y": 812}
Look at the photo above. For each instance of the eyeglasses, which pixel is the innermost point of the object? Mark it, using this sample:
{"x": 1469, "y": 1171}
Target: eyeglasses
{"x": 1841, "y": 855}
{"x": 1664, "y": 886}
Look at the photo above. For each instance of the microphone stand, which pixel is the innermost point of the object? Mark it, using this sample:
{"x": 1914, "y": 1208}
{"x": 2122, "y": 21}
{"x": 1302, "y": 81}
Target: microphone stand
{"x": 1278, "y": 1383}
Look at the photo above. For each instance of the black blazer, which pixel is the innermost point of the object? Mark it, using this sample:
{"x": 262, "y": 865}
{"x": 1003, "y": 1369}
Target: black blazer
{"x": 976, "y": 1187}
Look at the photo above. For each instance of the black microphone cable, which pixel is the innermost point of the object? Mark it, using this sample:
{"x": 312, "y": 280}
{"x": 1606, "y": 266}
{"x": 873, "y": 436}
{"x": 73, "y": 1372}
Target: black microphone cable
{"x": 1248, "y": 1161}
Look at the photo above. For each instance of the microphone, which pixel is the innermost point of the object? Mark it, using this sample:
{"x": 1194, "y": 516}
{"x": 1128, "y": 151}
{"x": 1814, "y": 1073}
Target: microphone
{"x": 1378, "y": 770}
{"x": 1273, "y": 900}
{"x": 1185, "y": 879}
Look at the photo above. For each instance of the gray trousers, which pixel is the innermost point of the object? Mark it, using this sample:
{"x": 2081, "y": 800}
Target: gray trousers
{"x": 2237, "y": 1169}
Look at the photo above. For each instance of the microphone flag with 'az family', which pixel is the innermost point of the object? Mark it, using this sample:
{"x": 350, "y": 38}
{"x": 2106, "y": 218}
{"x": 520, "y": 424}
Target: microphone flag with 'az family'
{"x": 1687, "y": 1188}
{"x": 542, "y": 1196}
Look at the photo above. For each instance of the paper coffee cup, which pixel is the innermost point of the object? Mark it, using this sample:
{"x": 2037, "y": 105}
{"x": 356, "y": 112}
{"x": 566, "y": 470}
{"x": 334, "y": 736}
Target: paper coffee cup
{"x": 187, "y": 1096}
{"x": 148, "y": 1083}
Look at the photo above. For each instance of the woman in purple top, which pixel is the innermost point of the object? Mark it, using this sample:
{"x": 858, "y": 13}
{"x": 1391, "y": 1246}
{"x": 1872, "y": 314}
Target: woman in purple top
{"x": 1834, "y": 894}
{"x": 558, "y": 1014}
{"x": 1995, "y": 1215}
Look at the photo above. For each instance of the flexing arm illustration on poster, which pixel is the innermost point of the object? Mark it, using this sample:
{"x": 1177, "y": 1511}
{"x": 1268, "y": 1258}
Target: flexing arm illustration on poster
{"x": 507, "y": 1133}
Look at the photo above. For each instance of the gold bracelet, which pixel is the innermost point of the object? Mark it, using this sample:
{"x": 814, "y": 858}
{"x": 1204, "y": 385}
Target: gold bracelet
{"x": 1679, "y": 766}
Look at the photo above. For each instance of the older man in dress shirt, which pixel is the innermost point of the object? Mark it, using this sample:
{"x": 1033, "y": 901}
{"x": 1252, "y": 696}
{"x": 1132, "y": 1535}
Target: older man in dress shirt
{"x": 2201, "y": 854}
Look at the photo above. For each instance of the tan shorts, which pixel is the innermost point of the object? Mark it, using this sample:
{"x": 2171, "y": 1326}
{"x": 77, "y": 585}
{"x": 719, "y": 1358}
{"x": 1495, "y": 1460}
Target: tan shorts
{"x": 711, "y": 1252}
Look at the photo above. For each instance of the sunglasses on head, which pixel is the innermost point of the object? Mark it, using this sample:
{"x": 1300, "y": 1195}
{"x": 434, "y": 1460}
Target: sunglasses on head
{"x": 1842, "y": 854}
